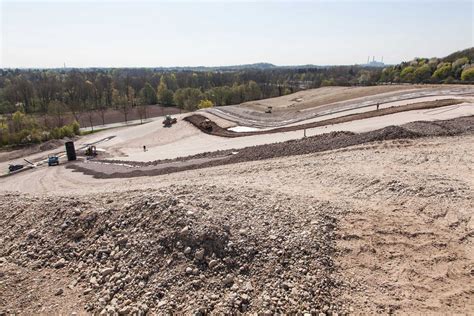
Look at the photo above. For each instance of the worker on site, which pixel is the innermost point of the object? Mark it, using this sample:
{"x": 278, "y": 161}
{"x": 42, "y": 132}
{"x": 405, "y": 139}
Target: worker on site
{"x": 378, "y": 104}
{"x": 144, "y": 148}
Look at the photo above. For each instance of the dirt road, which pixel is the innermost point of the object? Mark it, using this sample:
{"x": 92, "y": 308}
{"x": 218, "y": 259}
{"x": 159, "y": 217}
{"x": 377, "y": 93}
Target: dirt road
{"x": 308, "y": 105}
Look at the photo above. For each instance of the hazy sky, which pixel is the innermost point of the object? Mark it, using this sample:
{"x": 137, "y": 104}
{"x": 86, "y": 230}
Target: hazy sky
{"x": 179, "y": 33}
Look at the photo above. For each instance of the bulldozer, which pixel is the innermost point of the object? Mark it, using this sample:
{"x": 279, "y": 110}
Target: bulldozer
{"x": 206, "y": 125}
{"x": 169, "y": 121}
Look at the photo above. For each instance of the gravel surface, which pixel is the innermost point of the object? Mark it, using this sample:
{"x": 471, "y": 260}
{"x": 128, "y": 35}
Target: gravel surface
{"x": 187, "y": 248}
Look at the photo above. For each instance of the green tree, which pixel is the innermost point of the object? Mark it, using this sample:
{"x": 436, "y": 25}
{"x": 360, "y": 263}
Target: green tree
{"x": 422, "y": 73}
{"x": 188, "y": 98}
{"x": 165, "y": 95}
{"x": 460, "y": 62}
{"x": 468, "y": 74}
{"x": 252, "y": 91}
{"x": 407, "y": 74}
{"x": 443, "y": 71}
{"x": 364, "y": 77}
{"x": 148, "y": 94}
{"x": 18, "y": 119}
{"x": 204, "y": 104}
{"x": 6, "y": 107}
{"x": 327, "y": 82}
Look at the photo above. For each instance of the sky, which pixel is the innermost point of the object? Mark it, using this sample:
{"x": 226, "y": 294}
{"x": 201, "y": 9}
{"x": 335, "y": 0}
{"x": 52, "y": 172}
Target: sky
{"x": 107, "y": 33}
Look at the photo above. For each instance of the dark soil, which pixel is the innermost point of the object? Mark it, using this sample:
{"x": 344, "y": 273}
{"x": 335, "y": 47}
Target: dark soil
{"x": 319, "y": 143}
{"x": 216, "y": 130}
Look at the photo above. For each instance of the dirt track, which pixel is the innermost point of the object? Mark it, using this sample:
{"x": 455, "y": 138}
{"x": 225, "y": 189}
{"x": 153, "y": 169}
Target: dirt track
{"x": 197, "y": 120}
{"x": 326, "y": 95}
{"x": 311, "y": 104}
{"x": 324, "y": 142}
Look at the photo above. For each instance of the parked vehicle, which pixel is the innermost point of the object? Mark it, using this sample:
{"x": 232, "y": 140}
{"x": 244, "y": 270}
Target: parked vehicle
{"x": 53, "y": 160}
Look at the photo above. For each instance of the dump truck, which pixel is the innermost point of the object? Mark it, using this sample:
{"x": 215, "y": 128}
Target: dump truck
{"x": 269, "y": 110}
{"x": 169, "y": 121}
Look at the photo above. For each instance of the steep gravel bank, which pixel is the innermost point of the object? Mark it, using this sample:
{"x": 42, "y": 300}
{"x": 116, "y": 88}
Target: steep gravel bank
{"x": 186, "y": 248}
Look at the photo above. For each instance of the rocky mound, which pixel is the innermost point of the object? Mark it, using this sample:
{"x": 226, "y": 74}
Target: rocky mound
{"x": 183, "y": 249}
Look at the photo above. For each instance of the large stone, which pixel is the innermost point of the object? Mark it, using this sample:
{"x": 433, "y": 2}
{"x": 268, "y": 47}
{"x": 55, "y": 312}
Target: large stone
{"x": 199, "y": 255}
{"x": 228, "y": 280}
{"x": 213, "y": 264}
{"x": 106, "y": 271}
{"x": 60, "y": 263}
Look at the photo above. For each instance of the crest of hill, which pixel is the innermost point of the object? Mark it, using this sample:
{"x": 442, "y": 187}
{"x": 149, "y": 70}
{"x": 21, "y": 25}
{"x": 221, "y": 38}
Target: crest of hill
{"x": 468, "y": 52}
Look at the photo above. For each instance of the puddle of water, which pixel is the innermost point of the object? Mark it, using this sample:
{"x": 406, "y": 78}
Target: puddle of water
{"x": 242, "y": 129}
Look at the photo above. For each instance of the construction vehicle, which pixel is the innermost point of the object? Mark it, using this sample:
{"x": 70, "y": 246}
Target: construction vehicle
{"x": 13, "y": 168}
{"x": 269, "y": 109}
{"x": 169, "y": 121}
{"x": 91, "y": 151}
{"x": 53, "y": 160}
{"x": 206, "y": 125}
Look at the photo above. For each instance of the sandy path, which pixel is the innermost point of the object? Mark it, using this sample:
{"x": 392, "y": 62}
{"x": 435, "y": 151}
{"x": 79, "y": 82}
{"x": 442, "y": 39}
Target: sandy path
{"x": 191, "y": 142}
{"x": 246, "y": 116}
{"x": 326, "y": 95}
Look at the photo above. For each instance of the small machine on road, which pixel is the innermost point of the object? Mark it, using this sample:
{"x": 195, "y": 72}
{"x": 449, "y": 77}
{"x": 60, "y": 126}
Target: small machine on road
{"x": 13, "y": 168}
{"x": 169, "y": 121}
{"x": 91, "y": 151}
{"x": 53, "y": 160}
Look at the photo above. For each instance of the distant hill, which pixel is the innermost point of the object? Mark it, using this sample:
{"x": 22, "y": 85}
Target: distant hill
{"x": 261, "y": 66}
{"x": 256, "y": 66}
{"x": 469, "y": 53}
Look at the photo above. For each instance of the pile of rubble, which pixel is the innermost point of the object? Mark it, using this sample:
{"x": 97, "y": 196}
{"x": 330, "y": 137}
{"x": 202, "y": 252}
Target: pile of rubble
{"x": 181, "y": 249}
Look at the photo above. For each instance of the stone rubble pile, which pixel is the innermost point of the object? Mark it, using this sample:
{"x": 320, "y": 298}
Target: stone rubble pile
{"x": 189, "y": 249}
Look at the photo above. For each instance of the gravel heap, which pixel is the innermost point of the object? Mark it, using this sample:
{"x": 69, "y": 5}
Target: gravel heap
{"x": 187, "y": 249}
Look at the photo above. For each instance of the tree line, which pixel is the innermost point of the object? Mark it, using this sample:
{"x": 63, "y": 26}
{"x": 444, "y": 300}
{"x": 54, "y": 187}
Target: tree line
{"x": 45, "y": 96}
{"x": 433, "y": 70}
{"x": 82, "y": 90}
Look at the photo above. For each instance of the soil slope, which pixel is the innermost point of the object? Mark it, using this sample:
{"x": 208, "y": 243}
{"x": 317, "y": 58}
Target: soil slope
{"x": 385, "y": 227}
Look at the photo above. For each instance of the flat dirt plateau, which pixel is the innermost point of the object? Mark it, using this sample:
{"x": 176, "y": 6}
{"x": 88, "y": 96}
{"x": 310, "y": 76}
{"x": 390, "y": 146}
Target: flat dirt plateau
{"x": 383, "y": 227}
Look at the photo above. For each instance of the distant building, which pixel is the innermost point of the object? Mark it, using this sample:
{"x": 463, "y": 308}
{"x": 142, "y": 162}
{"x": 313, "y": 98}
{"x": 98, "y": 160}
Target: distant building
{"x": 374, "y": 63}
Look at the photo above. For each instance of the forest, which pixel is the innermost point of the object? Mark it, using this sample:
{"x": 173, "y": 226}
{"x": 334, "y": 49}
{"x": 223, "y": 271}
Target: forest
{"x": 34, "y": 103}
